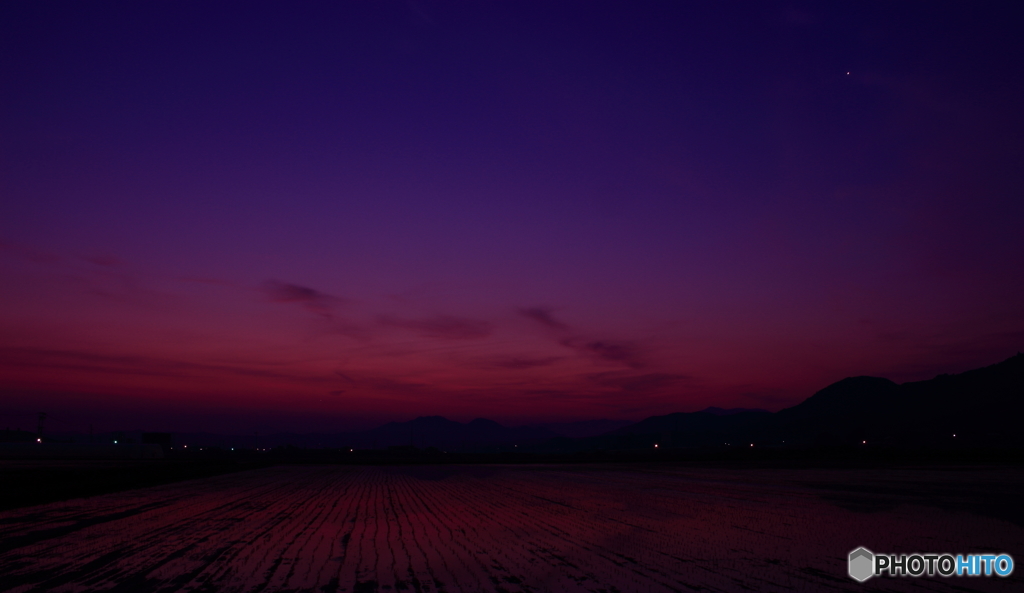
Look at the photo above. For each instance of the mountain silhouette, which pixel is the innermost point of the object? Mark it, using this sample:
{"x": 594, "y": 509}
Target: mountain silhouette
{"x": 729, "y": 412}
{"x": 980, "y": 407}
{"x": 445, "y": 434}
{"x": 584, "y": 428}
{"x": 692, "y": 429}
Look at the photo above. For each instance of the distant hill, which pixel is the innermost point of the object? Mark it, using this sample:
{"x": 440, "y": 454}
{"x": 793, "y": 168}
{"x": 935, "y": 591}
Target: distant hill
{"x": 689, "y": 424}
{"x": 422, "y": 432}
{"x": 729, "y": 412}
{"x": 584, "y": 428}
{"x": 682, "y": 429}
{"x": 426, "y": 431}
{"x": 983, "y": 407}
{"x": 444, "y": 434}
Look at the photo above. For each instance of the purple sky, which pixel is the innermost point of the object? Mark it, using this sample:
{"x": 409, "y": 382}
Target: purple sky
{"x": 306, "y": 216}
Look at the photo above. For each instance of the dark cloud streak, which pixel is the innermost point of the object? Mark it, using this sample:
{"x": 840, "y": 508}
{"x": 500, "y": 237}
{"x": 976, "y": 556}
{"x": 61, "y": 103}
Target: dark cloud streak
{"x": 517, "y": 363}
{"x": 620, "y": 352}
{"x": 311, "y": 299}
{"x": 134, "y": 365}
{"x": 443, "y": 327}
{"x": 543, "y": 316}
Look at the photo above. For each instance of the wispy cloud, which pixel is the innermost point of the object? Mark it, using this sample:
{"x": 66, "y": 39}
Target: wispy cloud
{"x": 344, "y": 376}
{"x": 621, "y": 352}
{"x": 309, "y": 298}
{"x": 138, "y": 365}
{"x": 443, "y": 327}
{"x": 544, "y": 317}
{"x": 519, "y": 363}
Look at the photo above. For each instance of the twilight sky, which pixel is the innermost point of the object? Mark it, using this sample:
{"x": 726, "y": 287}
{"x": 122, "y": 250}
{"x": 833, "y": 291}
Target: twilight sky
{"x": 315, "y": 216}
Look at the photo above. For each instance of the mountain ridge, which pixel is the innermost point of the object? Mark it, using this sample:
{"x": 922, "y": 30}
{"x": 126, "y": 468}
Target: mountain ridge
{"x": 983, "y": 406}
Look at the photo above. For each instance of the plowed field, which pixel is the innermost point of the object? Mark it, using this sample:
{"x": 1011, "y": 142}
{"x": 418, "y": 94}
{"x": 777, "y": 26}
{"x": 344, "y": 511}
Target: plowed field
{"x": 511, "y": 528}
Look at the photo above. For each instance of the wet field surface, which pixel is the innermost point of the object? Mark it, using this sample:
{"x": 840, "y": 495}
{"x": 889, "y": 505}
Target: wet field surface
{"x": 599, "y": 528}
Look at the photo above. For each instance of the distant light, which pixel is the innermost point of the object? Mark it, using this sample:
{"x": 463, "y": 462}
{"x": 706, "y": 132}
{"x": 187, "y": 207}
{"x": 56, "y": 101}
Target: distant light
{"x": 41, "y": 440}
{"x": 232, "y": 448}
{"x": 186, "y": 446}
{"x": 863, "y": 442}
{"x": 115, "y": 442}
{"x": 351, "y": 450}
{"x": 847, "y": 73}
{"x": 954, "y": 436}
{"x": 655, "y": 445}
{"x": 751, "y": 444}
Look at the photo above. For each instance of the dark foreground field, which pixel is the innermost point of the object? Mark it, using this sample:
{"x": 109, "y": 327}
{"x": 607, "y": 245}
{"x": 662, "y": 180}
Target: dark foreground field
{"x": 600, "y": 528}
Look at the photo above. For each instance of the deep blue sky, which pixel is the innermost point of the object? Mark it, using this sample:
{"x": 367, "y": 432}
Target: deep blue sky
{"x": 307, "y": 215}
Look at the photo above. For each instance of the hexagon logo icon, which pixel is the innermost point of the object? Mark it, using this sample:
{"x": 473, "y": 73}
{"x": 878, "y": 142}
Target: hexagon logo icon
{"x": 861, "y": 561}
